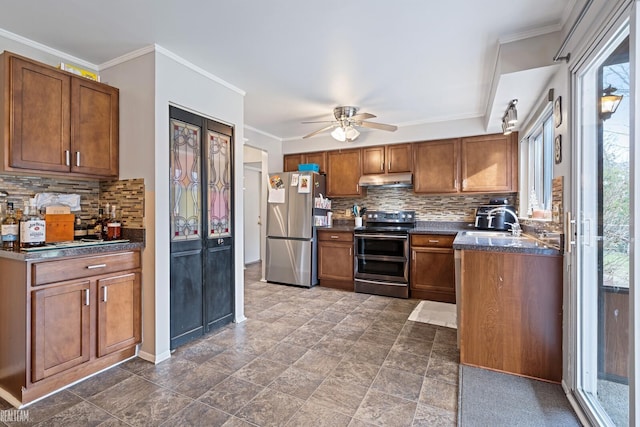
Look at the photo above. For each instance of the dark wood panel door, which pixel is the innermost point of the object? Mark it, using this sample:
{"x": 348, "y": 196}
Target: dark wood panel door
{"x": 94, "y": 135}
{"x": 373, "y": 161}
{"x": 435, "y": 167}
{"x": 40, "y": 117}
{"x": 433, "y": 274}
{"x": 218, "y": 285}
{"x": 399, "y": 158}
{"x": 489, "y": 163}
{"x": 61, "y": 328}
{"x": 202, "y": 279}
{"x": 344, "y": 168}
{"x": 119, "y": 310}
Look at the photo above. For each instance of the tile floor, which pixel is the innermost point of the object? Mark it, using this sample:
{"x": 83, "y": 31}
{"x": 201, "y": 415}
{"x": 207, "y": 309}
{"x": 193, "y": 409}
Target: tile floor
{"x": 304, "y": 357}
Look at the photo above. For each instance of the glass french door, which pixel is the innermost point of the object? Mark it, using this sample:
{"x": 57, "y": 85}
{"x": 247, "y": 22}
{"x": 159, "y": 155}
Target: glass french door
{"x": 602, "y": 261}
{"x": 201, "y": 250}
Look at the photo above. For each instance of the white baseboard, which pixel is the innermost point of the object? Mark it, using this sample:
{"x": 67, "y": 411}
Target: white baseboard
{"x": 153, "y": 358}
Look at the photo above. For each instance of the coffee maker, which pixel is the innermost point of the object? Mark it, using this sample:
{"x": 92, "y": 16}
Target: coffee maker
{"x": 490, "y": 218}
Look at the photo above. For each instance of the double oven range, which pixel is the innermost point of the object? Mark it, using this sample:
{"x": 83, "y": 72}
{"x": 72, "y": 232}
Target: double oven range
{"x": 382, "y": 253}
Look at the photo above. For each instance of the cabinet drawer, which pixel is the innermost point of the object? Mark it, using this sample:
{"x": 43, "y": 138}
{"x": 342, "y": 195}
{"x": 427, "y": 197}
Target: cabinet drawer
{"x": 335, "y": 236}
{"x": 68, "y": 269}
{"x": 432, "y": 240}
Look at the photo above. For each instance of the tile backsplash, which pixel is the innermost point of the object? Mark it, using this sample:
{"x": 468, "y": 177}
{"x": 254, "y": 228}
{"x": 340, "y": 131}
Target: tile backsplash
{"x": 427, "y": 207}
{"x": 127, "y": 194}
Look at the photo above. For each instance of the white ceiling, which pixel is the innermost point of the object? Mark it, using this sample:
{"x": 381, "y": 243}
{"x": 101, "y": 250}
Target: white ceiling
{"x": 408, "y": 62}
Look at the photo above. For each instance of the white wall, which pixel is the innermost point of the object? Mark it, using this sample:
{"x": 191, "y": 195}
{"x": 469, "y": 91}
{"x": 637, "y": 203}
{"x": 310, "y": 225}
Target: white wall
{"x": 136, "y": 81}
{"x": 271, "y": 145}
{"x": 182, "y": 86}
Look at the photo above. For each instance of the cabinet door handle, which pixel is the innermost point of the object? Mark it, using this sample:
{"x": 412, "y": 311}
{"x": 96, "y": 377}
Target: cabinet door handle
{"x": 350, "y": 251}
{"x": 413, "y": 255}
{"x": 335, "y": 237}
{"x": 382, "y": 166}
{"x": 77, "y": 158}
{"x": 433, "y": 241}
{"x": 91, "y": 267}
{"x": 104, "y": 294}
{"x": 86, "y": 297}
{"x": 67, "y": 155}
{"x": 389, "y": 165}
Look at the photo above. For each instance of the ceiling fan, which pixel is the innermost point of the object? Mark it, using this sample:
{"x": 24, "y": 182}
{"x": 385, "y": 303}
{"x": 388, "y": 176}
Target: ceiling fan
{"x": 344, "y": 126}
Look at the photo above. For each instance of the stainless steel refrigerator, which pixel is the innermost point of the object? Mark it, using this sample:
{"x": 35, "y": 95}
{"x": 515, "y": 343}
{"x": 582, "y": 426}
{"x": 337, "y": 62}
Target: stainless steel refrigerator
{"x": 291, "y": 234}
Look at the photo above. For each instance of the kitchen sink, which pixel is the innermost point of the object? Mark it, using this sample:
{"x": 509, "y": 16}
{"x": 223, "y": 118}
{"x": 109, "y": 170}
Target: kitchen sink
{"x": 498, "y": 234}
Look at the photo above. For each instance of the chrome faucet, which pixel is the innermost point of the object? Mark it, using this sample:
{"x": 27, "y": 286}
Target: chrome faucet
{"x": 515, "y": 226}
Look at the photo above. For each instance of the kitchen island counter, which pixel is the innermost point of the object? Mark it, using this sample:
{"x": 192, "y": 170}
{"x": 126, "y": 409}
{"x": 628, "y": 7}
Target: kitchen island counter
{"x": 524, "y": 244}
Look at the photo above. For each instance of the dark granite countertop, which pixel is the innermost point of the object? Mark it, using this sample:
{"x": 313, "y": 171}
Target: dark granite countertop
{"x": 441, "y": 227}
{"x": 70, "y": 252}
{"x": 524, "y": 244}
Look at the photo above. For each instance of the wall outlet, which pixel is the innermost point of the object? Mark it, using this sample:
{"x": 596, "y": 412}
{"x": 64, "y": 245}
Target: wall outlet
{"x": 347, "y": 212}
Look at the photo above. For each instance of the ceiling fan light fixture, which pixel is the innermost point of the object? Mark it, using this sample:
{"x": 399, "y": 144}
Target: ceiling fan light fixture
{"x": 351, "y": 133}
{"x": 339, "y": 134}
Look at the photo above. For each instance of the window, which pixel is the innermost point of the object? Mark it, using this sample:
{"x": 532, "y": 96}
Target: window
{"x": 536, "y": 164}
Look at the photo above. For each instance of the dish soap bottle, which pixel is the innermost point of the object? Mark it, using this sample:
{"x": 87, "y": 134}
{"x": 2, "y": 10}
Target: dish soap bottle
{"x": 114, "y": 227}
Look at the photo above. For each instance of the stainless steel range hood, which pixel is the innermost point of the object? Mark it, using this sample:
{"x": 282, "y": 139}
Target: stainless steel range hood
{"x": 397, "y": 180}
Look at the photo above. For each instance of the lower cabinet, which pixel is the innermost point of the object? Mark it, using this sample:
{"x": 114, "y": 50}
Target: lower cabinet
{"x": 78, "y": 315}
{"x": 335, "y": 259}
{"x": 432, "y": 268}
{"x": 511, "y": 313}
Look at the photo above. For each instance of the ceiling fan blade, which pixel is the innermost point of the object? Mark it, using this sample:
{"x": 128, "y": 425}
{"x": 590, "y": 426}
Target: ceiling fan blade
{"x": 362, "y": 116}
{"x": 381, "y": 126}
{"x": 319, "y": 131}
{"x": 320, "y": 121}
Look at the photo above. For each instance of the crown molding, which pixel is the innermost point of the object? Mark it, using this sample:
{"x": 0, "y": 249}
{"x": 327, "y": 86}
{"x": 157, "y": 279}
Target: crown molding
{"x": 251, "y": 128}
{"x": 46, "y": 49}
{"x": 127, "y": 57}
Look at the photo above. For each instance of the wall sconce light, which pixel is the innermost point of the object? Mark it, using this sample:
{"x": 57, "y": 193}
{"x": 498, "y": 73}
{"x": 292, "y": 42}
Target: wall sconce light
{"x": 510, "y": 118}
{"x": 609, "y": 102}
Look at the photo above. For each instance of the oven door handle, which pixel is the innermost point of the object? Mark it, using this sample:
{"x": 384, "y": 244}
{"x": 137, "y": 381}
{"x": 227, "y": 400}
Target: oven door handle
{"x": 381, "y": 236}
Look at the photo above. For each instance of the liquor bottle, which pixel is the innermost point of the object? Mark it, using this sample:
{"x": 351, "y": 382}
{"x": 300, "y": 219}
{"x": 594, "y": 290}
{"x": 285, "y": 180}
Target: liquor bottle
{"x": 114, "y": 226}
{"x": 95, "y": 227}
{"x": 79, "y": 230}
{"x": 32, "y": 226}
{"x": 10, "y": 229}
{"x": 105, "y": 221}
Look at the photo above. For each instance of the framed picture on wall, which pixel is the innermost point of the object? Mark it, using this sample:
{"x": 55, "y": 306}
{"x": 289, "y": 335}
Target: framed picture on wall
{"x": 557, "y": 149}
{"x": 557, "y": 111}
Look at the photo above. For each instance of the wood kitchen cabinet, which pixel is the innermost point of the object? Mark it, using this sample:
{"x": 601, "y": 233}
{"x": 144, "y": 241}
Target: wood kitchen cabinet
{"x": 511, "y": 313}
{"x": 57, "y": 123}
{"x": 479, "y": 164}
{"x": 386, "y": 159}
{"x": 432, "y": 268}
{"x": 344, "y": 168}
{"x": 335, "y": 259}
{"x": 489, "y": 163}
{"x": 65, "y": 319}
{"x": 291, "y": 161}
{"x": 436, "y": 166}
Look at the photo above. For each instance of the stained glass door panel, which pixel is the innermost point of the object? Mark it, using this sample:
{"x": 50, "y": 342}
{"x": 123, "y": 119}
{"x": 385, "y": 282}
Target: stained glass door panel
{"x": 185, "y": 181}
{"x": 219, "y": 185}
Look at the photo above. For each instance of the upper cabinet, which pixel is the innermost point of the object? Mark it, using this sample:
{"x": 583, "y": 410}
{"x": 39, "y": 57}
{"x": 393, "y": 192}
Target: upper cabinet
{"x": 57, "y": 123}
{"x": 291, "y": 161}
{"x": 386, "y": 159}
{"x": 344, "y": 168}
{"x": 479, "y": 164}
{"x": 489, "y": 163}
{"x": 436, "y": 166}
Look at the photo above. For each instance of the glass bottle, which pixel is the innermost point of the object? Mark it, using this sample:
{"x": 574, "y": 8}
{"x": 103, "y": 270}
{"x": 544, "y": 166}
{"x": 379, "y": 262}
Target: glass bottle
{"x": 32, "y": 226}
{"x": 79, "y": 230}
{"x": 10, "y": 229}
{"x": 95, "y": 230}
{"x": 114, "y": 227}
{"x": 105, "y": 221}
